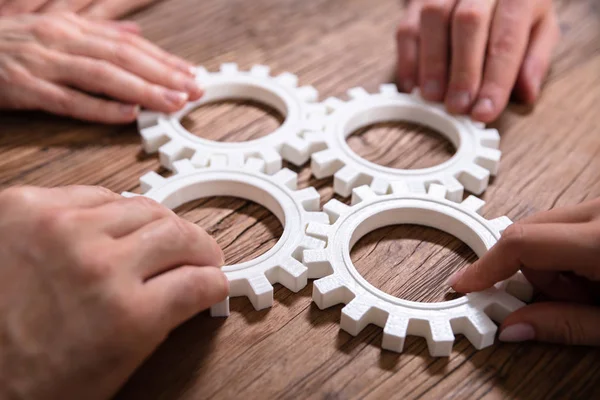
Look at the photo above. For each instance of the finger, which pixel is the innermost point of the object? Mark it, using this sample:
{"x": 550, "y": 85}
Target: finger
{"x": 102, "y": 77}
{"x": 125, "y": 26}
{"x": 13, "y": 7}
{"x": 508, "y": 40}
{"x": 434, "y": 42}
{"x": 548, "y": 247}
{"x": 470, "y": 28}
{"x": 407, "y": 43}
{"x": 169, "y": 243}
{"x": 544, "y": 37}
{"x": 181, "y": 293}
{"x": 564, "y": 323}
{"x": 137, "y": 62}
{"x": 118, "y": 35}
{"x": 64, "y": 5}
{"x": 125, "y": 216}
{"x": 579, "y": 213}
{"x": 113, "y": 9}
{"x": 559, "y": 286}
{"x": 73, "y": 196}
{"x": 71, "y": 103}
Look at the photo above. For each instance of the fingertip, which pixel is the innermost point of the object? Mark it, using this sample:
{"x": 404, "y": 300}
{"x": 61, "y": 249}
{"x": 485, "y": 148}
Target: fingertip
{"x": 458, "y": 102}
{"x": 484, "y": 110}
{"x": 516, "y": 333}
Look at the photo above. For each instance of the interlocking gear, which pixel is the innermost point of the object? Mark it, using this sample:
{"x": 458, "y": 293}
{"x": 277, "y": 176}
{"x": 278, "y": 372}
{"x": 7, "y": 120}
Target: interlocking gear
{"x": 295, "y": 140}
{"x": 437, "y": 322}
{"x": 477, "y": 155}
{"x": 294, "y": 209}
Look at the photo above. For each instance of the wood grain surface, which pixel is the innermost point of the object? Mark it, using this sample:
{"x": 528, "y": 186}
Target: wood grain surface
{"x": 551, "y": 158}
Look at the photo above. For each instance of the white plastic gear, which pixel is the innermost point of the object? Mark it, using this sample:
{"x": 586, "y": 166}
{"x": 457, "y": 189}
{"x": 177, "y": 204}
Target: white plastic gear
{"x": 294, "y": 209}
{"x": 295, "y": 140}
{"x": 437, "y": 322}
{"x": 477, "y": 155}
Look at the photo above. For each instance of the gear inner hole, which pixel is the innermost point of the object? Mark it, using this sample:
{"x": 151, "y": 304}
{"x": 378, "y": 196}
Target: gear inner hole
{"x": 233, "y": 120}
{"x": 401, "y": 145}
{"x": 245, "y": 230}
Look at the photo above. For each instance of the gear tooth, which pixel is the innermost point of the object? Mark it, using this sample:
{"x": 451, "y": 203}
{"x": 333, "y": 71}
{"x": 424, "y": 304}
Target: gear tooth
{"x": 129, "y": 195}
{"x": 489, "y": 159}
{"x": 229, "y": 68}
{"x": 317, "y": 216}
{"x": 380, "y": 186}
{"x": 477, "y": 327}
{"x": 500, "y": 224}
{"x": 362, "y": 193}
{"x": 329, "y": 291}
{"x": 388, "y": 90}
{"x": 455, "y": 189}
{"x": 357, "y": 93}
{"x": 416, "y": 187}
{"x": 201, "y": 73}
{"x": 416, "y": 94}
{"x": 333, "y": 103}
{"x": 287, "y": 79}
{"x": 309, "y": 198}
{"x": 317, "y": 263}
{"x": 502, "y": 304}
{"x": 272, "y": 160}
{"x": 394, "y": 333}
{"x": 151, "y": 180}
{"x": 308, "y": 94}
{"x": 440, "y": 338}
{"x": 437, "y": 191}
{"x": 147, "y": 118}
{"x": 292, "y": 274}
{"x": 255, "y": 164}
{"x": 218, "y": 161}
{"x": 235, "y": 160}
{"x": 287, "y": 178}
{"x": 519, "y": 286}
{"x": 334, "y": 209}
{"x": 258, "y": 289}
{"x": 307, "y": 243}
{"x": 325, "y": 163}
{"x": 220, "y": 309}
{"x": 473, "y": 203}
{"x": 171, "y": 152}
{"x": 200, "y": 160}
{"x": 478, "y": 125}
{"x": 153, "y": 137}
{"x": 316, "y": 111}
{"x": 475, "y": 178}
{"x": 347, "y": 179}
{"x": 399, "y": 187}
{"x": 318, "y": 230}
{"x": 183, "y": 166}
{"x": 260, "y": 71}
{"x": 357, "y": 314}
{"x": 296, "y": 150}
{"x": 489, "y": 138}
{"x": 314, "y": 123}
{"x": 316, "y": 141}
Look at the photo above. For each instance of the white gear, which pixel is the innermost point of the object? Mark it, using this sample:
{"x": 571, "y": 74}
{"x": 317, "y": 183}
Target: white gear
{"x": 295, "y": 140}
{"x": 294, "y": 209}
{"x": 437, "y": 322}
{"x": 477, "y": 155}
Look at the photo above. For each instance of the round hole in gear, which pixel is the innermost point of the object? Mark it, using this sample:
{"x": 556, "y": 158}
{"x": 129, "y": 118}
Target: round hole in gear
{"x": 233, "y": 120}
{"x": 401, "y": 145}
{"x": 411, "y": 262}
{"x": 243, "y": 229}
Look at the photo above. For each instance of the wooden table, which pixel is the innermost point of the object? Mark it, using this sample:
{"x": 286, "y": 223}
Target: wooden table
{"x": 551, "y": 157}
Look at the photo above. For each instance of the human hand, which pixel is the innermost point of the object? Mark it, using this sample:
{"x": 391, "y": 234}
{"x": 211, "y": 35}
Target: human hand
{"x": 90, "y": 284}
{"x": 559, "y": 252}
{"x": 54, "y": 62}
{"x": 471, "y": 54}
{"x": 100, "y": 9}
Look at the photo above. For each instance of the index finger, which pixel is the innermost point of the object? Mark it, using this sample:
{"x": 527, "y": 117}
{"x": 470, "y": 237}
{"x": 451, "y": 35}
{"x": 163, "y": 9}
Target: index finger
{"x": 550, "y": 247}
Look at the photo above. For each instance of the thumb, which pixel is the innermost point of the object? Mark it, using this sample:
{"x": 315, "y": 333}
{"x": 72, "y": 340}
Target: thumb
{"x": 565, "y": 323}
{"x": 181, "y": 293}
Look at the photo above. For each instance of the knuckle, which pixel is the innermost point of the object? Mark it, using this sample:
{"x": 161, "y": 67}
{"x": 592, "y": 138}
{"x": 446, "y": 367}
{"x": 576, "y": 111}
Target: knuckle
{"x": 121, "y": 54}
{"x": 51, "y": 29}
{"x": 150, "y": 205}
{"x": 503, "y": 45}
{"x": 93, "y": 263}
{"x": 100, "y": 69}
{"x": 571, "y": 332}
{"x": 59, "y": 221}
{"x": 470, "y": 18}
{"x": 24, "y": 196}
{"x": 513, "y": 236}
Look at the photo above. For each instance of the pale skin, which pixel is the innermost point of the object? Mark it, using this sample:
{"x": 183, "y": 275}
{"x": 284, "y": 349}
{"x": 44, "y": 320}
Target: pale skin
{"x": 91, "y": 284}
{"x": 471, "y": 54}
{"x": 97, "y": 9}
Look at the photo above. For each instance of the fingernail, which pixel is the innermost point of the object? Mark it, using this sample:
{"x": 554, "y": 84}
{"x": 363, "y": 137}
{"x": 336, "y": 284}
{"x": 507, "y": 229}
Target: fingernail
{"x": 128, "y": 109}
{"x": 431, "y": 88}
{"x": 175, "y": 98}
{"x": 455, "y": 278}
{"x": 192, "y": 87}
{"x": 459, "y": 100}
{"x": 187, "y": 68}
{"x": 484, "y": 107}
{"x": 517, "y": 333}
